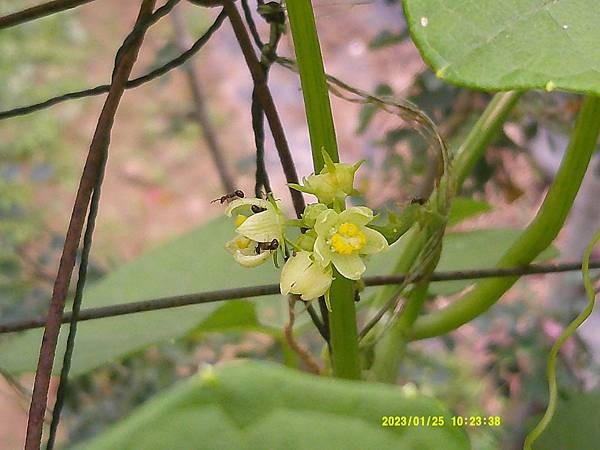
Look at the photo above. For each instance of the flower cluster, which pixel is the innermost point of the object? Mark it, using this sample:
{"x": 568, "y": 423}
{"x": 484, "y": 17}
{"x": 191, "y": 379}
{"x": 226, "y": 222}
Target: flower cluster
{"x": 330, "y": 236}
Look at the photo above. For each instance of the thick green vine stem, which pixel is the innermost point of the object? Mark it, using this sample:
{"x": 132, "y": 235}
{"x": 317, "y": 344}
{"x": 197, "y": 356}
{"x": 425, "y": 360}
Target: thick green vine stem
{"x": 392, "y": 347}
{"x": 342, "y": 318}
{"x": 312, "y": 78}
{"x": 538, "y": 235}
{"x": 483, "y": 132}
{"x": 389, "y": 351}
{"x": 566, "y": 334}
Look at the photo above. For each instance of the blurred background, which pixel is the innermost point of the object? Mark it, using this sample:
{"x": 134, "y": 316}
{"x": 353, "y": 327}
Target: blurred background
{"x": 161, "y": 177}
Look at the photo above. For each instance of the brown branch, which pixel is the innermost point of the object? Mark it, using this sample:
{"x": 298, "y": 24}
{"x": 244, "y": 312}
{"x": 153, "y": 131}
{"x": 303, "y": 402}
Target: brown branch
{"x": 262, "y": 92}
{"x": 183, "y": 42}
{"x": 124, "y": 61}
{"x": 266, "y": 100}
{"x": 273, "y": 289}
{"x": 39, "y": 11}
{"x": 301, "y": 351}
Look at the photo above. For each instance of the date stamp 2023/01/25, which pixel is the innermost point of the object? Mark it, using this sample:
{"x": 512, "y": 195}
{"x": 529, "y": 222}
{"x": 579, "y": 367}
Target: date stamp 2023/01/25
{"x": 441, "y": 421}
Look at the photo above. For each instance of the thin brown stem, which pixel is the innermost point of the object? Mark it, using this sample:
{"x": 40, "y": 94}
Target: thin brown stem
{"x": 39, "y": 11}
{"x": 265, "y": 98}
{"x": 300, "y": 350}
{"x": 124, "y": 61}
{"x": 104, "y": 88}
{"x": 273, "y": 289}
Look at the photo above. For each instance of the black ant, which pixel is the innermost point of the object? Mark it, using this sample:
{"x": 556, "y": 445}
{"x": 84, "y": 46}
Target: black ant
{"x": 267, "y": 246}
{"x": 257, "y": 209}
{"x": 228, "y": 197}
{"x": 418, "y": 201}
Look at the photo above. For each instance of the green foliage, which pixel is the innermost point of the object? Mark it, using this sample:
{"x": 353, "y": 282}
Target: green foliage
{"x": 194, "y": 262}
{"x": 575, "y": 424}
{"x": 464, "y": 208}
{"x": 255, "y": 406}
{"x": 386, "y": 37}
{"x": 368, "y": 111}
{"x": 197, "y": 262}
{"x": 529, "y": 44}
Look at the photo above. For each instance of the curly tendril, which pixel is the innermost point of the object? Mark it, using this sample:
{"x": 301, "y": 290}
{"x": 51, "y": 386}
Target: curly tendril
{"x": 566, "y": 334}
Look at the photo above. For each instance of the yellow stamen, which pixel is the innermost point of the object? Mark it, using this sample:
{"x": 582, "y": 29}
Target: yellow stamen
{"x": 240, "y": 219}
{"x": 340, "y": 245}
{"x": 242, "y": 243}
{"x": 348, "y": 239}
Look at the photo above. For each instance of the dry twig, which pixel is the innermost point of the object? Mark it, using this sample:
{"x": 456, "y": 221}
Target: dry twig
{"x": 125, "y": 59}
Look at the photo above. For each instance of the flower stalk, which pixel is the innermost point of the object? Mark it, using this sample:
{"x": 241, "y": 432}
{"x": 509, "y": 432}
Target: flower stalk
{"x": 342, "y": 319}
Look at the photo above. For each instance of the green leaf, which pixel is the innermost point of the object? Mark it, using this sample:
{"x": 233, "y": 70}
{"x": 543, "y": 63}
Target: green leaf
{"x": 574, "y": 425}
{"x": 247, "y": 405}
{"x": 522, "y": 44}
{"x": 194, "y": 262}
{"x": 464, "y": 208}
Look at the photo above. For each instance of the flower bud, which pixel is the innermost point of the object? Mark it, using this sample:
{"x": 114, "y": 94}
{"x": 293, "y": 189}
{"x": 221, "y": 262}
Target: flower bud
{"x": 311, "y": 212}
{"x": 336, "y": 181}
{"x": 301, "y": 275}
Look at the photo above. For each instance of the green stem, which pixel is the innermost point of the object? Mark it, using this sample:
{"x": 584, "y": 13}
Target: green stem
{"x": 390, "y": 350}
{"x": 313, "y": 81}
{"x": 392, "y": 347}
{"x": 467, "y": 155}
{"x": 538, "y": 235}
{"x": 414, "y": 240}
{"x": 342, "y": 321}
{"x": 342, "y": 327}
{"x": 482, "y": 134}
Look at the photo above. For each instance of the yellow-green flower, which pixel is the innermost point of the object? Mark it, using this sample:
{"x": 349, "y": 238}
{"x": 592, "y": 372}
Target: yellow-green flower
{"x": 303, "y": 276}
{"x": 244, "y": 251}
{"x": 343, "y": 237}
{"x": 334, "y": 182}
{"x": 262, "y": 226}
{"x": 258, "y": 222}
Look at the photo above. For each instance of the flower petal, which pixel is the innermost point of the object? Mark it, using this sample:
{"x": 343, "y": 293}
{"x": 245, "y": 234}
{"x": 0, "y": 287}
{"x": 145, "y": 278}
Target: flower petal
{"x": 294, "y": 266}
{"x": 262, "y": 227}
{"x": 376, "y": 242}
{"x": 302, "y": 276}
{"x": 250, "y": 260}
{"x": 325, "y": 221}
{"x": 315, "y": 282}
{"x": 322, "y": 252}
{"x": 350, "y": 266}
{"x": 241, "y": 202}
{"x": 358, "y": 215}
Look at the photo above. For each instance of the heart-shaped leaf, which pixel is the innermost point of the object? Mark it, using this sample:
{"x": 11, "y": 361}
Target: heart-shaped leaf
{"x": 248, "y": 405}
{"x": 521, "y": 44}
